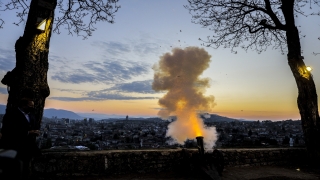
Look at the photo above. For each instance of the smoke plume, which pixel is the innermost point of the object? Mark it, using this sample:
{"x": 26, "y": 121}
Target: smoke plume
{"x": 178, "y": 73}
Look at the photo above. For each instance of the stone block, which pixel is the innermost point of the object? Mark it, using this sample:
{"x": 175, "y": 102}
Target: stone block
{"x": 251, "y": 156}
{"x": 247, "y": 161}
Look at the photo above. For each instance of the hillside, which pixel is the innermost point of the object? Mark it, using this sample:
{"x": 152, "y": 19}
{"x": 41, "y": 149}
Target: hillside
{"x": 49, "y": 113}
{"x": 61, "y": 113}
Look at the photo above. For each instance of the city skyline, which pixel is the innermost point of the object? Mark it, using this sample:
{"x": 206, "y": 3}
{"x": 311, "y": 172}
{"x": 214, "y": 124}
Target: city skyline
{"x": 111, "y": 72}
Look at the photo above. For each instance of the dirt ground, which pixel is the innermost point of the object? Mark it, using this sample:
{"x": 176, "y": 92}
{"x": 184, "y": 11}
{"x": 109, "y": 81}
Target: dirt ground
{"x": 232, "y": 173}
{"x": 269, "y": 172}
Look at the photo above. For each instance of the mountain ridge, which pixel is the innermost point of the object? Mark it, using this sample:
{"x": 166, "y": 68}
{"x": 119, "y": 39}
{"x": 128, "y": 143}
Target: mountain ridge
{"x": 51, "y": 112}
{"x": 61, "y": 113}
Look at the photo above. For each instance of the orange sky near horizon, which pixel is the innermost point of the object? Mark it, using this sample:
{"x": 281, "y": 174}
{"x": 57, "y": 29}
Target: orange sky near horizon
{"x": 236, "y": 109}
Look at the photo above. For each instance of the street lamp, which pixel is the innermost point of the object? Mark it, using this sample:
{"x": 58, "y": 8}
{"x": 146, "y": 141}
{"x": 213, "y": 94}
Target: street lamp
{"x": 308, "y": 68}
{"x": 42, "y": 25}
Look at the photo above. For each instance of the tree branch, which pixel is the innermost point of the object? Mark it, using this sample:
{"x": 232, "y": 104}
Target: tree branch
{"x": 91, "y": 11}
{"x": 235, "y": 21}
{"x": 252, "y": 32}
{"x": 274, "y": 18}
{"x": 78, "y": 16}
{"x": 1, "y": 23}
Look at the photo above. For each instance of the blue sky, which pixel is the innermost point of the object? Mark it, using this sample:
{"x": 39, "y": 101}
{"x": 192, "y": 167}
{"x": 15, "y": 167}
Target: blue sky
{"x": 111, "y": 72}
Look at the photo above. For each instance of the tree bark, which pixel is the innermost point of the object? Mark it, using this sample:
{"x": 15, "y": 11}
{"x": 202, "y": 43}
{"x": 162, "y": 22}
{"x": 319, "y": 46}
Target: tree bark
{"x": 307, "y": 95}
{"x": 29, "y": 77}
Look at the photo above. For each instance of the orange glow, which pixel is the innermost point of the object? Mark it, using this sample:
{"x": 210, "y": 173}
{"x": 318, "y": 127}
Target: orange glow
{"x": 277, "y": 108}
{"x": 191, "y": 122}
{"x": 194, "y": 123}
{"x": 131, "y": 108}
{"x": 181, "y": 104}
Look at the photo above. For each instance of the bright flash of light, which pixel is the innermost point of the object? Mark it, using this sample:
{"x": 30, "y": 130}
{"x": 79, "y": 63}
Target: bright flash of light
{"x": 191, "y": 122}
{"x": 196, "y": 125}
{"x": 309, "y": 68}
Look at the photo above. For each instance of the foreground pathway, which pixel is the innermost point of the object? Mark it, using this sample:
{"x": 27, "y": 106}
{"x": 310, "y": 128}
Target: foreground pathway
{"x": 269, "y": 172}
{"x": 230, "y": 173}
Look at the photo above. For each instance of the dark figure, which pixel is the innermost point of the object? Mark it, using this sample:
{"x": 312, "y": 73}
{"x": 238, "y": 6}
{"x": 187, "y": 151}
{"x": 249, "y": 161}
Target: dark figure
{"x": 218, "y": 161}
{"x": 19, "y": 133}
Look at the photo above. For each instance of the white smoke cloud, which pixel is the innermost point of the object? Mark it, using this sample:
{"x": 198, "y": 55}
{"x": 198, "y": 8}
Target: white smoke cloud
{"x": 178, "y": 73}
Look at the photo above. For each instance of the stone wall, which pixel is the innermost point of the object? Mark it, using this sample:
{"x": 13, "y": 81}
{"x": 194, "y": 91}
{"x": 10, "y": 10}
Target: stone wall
{"x": 106, "y": 162}
{"x": 144, "y": 161}
{"x": 260, "y": 157}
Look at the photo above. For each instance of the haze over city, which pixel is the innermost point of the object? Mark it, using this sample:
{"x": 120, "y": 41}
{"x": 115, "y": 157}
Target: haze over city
{"x": 111, "y": 71}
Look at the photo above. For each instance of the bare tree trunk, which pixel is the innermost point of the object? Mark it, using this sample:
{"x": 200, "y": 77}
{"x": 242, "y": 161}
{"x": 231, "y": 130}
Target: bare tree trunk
{"x": 29, "y": 77}
{"x": 307, "y": 94}
{"x": 307, "y": 101}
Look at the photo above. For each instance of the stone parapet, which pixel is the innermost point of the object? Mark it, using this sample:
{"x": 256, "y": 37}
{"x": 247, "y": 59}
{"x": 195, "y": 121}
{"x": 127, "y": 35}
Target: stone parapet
{"x": 111, "y": 162}
{"x": 260, "y": 157}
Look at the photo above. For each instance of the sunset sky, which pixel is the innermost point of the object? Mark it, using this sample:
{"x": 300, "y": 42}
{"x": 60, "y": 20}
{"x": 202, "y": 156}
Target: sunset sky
{"x": 111, "y": 72}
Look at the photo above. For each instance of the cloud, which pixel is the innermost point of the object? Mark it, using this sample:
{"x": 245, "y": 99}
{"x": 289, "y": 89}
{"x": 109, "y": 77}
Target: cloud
{"x": 75, "y": 76}
{"x": 144, "y": 87}
{"x": 115, "y": 66}
{"x": 117, "y": 92}
{"x": 143, "y": 47}
{"x": 99, "y": 96}
{"x": 7, "y": 60}
{"x": 58, "y": 59}
{"x": 113, "y": 47}
{"x": 58, "y": 62}
{"x": 149, "y": 44}
{"x": 72, "y": 98}
{"x": 70, "y": 90}
{"x": 3, "y": 90}
{"x": 105, "y": 95}
{"x": 118, "y": 70}
{"x": 109, "y": 71}
{"x": 145, "y": 44}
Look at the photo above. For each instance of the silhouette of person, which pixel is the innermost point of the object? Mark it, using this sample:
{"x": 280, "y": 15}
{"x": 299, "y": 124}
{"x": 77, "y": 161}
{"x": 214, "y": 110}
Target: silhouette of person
{"x": 19, "y": 133}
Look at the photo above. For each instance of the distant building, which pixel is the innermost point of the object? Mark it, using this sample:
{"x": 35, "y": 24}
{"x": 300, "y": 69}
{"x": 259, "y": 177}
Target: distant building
{"x": 66, "y": 120}
{"x": 91, "y": 120}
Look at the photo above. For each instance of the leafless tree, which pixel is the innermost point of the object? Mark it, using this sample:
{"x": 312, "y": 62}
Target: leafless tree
{"x": 77, "y": 16}
{"x": 257, "y": 25}
{"x": 29, "y": 77}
